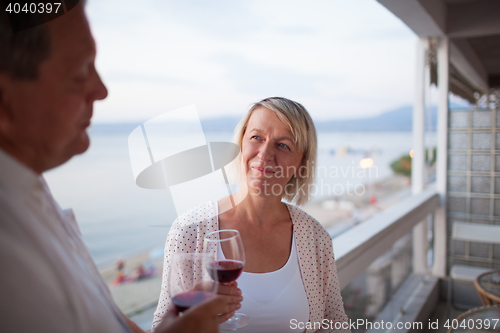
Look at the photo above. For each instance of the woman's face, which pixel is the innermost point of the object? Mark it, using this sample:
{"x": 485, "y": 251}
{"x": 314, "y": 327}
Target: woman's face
{"x": 270, "y": 156}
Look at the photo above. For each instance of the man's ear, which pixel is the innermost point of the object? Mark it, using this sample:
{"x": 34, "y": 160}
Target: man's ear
{"x": 5, "y": 96}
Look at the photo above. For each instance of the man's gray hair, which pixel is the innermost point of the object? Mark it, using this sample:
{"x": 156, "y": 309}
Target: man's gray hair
{"x": 21, "y": 53}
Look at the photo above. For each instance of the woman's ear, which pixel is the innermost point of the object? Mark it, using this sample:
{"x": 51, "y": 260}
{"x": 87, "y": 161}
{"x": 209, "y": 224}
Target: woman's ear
{"x": 302, "y": 166}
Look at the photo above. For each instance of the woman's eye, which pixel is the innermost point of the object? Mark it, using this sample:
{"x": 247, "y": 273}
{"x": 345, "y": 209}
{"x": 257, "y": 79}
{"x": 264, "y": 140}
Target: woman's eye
{"x": 282, "y": 145}
{"x": 255, "y": 137}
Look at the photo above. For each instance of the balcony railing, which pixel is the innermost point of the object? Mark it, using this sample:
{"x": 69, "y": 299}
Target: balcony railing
{"x": 374, "y": 261}
{"x": 358, "y": 247}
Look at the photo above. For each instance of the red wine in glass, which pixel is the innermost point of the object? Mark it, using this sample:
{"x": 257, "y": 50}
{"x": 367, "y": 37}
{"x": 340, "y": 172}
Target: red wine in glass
{"x": 227, "y": 270}
{"x": 190, "y": 280}
{"x": 227, "y": 247}
{"x": 184, "y": 301}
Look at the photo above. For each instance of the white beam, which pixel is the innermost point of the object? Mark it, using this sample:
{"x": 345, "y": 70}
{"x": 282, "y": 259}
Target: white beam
{"x": 440, "y": 236}
{"x": 418, "y": 160}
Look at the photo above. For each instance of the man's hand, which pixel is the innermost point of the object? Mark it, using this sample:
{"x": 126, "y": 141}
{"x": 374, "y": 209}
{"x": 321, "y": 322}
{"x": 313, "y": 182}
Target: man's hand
{"x": 227, "y": 289}
{"x": 202, "y": 318}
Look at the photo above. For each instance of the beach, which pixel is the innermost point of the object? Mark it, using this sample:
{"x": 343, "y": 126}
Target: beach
{"x": 133, "y": 297}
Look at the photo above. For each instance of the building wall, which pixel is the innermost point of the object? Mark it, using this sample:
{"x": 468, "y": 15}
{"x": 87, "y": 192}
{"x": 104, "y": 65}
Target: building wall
{"x": 473, "y": 182}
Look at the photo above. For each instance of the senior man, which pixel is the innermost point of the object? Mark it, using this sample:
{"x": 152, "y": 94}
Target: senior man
{"x": 49, "y": 283}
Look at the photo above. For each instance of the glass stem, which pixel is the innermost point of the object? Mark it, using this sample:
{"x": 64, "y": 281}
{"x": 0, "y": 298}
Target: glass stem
{"x": 232, "y": 319}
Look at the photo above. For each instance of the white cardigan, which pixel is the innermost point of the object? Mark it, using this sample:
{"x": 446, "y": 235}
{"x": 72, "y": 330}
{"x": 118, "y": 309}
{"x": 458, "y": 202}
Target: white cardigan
{"x": 315, "y": 250}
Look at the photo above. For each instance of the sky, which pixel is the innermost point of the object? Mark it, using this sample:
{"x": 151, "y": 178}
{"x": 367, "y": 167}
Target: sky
{"x": 340, "y": 59}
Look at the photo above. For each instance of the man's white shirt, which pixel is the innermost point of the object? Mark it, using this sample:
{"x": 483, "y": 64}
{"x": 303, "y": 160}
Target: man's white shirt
{"x": 48, "y": 281}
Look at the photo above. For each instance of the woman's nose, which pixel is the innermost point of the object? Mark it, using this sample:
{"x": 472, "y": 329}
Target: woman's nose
{"x": 266, "y": 152}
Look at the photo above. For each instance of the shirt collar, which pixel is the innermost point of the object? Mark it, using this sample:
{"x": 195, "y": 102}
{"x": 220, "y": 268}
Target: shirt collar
{"x": 16, "y": 177}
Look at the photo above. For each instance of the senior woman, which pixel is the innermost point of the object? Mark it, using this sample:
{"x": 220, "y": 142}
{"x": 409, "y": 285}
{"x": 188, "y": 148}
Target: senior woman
{"x": 289, "y": 282}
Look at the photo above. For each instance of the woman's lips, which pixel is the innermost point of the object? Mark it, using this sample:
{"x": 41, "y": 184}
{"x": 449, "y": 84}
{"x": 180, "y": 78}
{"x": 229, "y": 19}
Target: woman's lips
{"x": 263, "y": 170}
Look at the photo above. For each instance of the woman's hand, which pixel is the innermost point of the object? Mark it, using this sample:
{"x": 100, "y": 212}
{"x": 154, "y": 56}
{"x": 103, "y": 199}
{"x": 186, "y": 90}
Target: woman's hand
{"x": 202, "y": 318}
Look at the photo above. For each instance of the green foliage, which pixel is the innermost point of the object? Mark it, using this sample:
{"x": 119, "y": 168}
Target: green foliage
{"x": 431, "y": 162}
{"x": 402, "y": 166}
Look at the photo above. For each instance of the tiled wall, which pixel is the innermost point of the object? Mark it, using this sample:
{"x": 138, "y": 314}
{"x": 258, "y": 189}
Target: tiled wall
{"x": 474, "y": 182}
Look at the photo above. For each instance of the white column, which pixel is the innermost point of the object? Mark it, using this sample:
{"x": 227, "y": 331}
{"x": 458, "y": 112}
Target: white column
{"x": 418, "y": 160}
{"x": 439, "y": 267}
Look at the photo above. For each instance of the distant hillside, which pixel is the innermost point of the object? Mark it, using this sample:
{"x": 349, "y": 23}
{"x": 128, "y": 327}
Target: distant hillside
{"x": 220, "y": 124}
{"x": 395, "y": 120}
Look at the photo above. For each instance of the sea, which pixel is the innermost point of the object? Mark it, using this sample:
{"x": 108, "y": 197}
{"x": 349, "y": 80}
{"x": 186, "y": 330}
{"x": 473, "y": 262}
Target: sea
{"x": 119, "y": 219}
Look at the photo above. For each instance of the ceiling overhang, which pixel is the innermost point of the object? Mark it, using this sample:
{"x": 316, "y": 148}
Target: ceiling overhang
{"x": 473, "y": 29}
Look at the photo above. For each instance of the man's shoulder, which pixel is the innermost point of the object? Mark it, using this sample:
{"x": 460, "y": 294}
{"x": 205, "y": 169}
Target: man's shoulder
{"x": 11, "y": 213}
{"x": 21, "y": 242}
{"x": 27, "y": 276}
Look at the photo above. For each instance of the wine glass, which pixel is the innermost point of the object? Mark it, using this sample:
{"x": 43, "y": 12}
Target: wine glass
{"x": 191, "y": 280}
{"x": 228, "y": 263}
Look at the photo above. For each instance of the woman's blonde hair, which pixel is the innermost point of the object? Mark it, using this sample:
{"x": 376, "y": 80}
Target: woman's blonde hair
{"x": 296, "y": 117}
